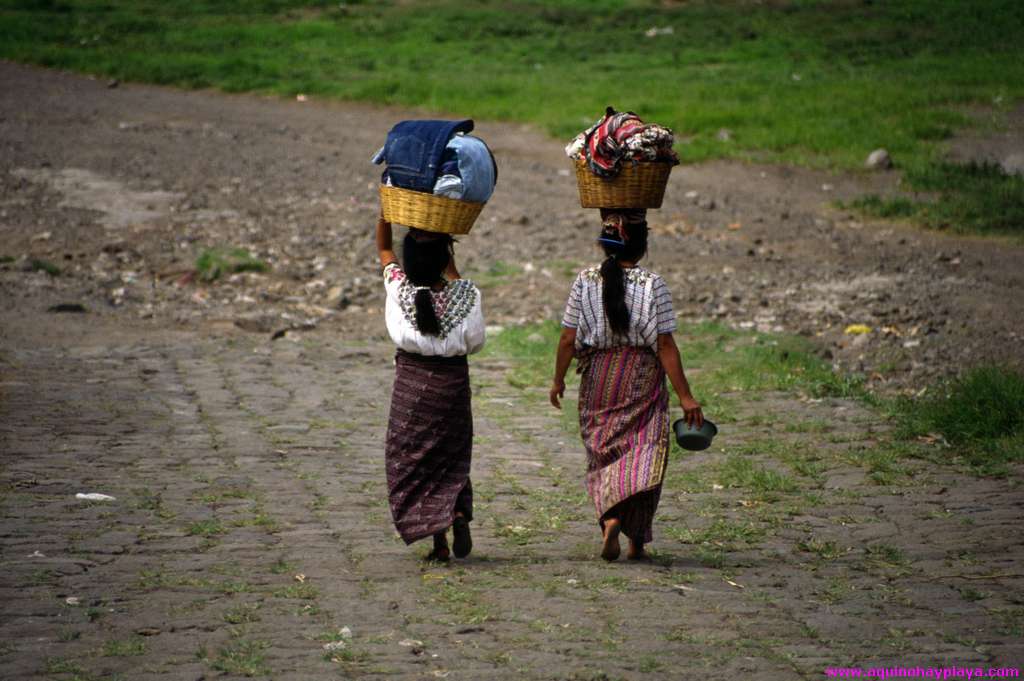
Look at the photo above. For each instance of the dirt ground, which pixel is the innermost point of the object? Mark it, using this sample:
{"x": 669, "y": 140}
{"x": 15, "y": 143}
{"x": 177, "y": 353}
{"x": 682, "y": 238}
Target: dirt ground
{"x": 249, "y": 528}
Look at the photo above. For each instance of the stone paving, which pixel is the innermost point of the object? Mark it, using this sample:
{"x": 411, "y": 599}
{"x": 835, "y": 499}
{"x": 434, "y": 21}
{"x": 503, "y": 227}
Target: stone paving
{"x": 250, "y": 529}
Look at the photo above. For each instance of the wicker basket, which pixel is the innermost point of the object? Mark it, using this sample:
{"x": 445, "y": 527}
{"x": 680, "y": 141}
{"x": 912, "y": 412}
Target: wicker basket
{"x": 640, "y": 185}
{"x": 428, "y": 211}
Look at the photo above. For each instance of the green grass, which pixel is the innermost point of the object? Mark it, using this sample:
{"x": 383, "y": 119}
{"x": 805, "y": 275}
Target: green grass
{"x": 132, "y": 647}
{"x": 971, "y": 198}
{"x": 819, "y": 82}
{"x": 980, "y": 413}
{"x": 213, "y": 263}
{"x": 40, "y": 265}
{"x": 531, "y": 350}
{"x": 242, "y": 657}
{"x": 738, "y": 361}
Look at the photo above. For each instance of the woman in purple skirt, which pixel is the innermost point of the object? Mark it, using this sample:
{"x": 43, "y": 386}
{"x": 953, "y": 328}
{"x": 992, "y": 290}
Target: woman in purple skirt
{"x": 618, "y": 324}
{"x": 435, "y": 320}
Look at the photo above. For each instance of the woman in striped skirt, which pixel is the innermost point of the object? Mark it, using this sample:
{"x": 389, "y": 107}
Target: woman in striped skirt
{"x": 618, "y": 324}
{"x": 435, "y": 320}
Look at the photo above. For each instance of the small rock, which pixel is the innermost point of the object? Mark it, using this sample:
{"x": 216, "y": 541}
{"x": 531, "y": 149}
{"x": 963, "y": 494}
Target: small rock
{"x": 535, "y": 338}
{"x": 878, "y": 159}
{"x": 94, "y": 496}
{"x": 1013, "y": 164}
{"x": 724, "y": 135}
{"x": 113, "y": 83}
{"x": 334, "y": 646}
{"x": 707, "y": 203}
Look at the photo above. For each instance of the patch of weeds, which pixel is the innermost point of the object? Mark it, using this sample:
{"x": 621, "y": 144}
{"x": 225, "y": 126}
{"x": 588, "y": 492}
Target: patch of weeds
{"x": 969, "y": 593}
{"x": 132, "y": 647}
{"x": 883, "y": 462}
{"x": 809, "y": 426}
{"x": 837, "y": 590}
{"x": 153, "y": 579}
{"x": 722, "y": 532}
{"x": 93, "y": 614}
{"x": 972, "y": 198}
{"x": 64, "y": 665}
{"x": 243, "y": 614}
{"x": 497, "y": 272}
{"x": 40, "y": 265}
{"x": 68, "y": 634}
{"x": 886, "y": 556}
{"x": 888, "y": 208}
{"x": 823, "y": 549}
{"x": 531, "y": 351}
{"x": 514, "y": 535}
{"x": 233, "y": 586}
{"x": 205, "y": 528}
{"x": 148, "y": 500}
{"x": 220, "y": 494}
{"x": 213, "y": 263}
{"x": 499, "y": 658}
{"x": 738, "y": 471}
{"x": 650, "y": 663}
{"x": 282, "y": 567}
{"x": 346, "y": 656}
{"x": 241, "y": 656}
{"x": 981, "y": 414}
{"x": 745, "y": 362}
{"x": 710, "y": 556}
{"x": 1011, "y": 621}
{"x": 300, "y": 591}
{"x": 460, "y": 600}
{"x": 41, "y": 577}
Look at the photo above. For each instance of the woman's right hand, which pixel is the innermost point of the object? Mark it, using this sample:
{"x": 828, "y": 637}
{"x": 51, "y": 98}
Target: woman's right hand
{"x": 557, "y": 392}
{"x": 692, "y": 412}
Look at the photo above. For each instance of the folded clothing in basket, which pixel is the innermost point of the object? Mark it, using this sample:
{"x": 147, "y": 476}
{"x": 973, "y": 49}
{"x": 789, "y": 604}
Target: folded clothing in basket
{"x": 621, "y": 136}
{"x": 438, "y": 157}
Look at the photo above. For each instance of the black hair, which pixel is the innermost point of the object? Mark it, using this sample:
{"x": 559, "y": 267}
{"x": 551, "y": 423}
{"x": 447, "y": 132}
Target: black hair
{"x": 424, "y": 258}
{"x": 613, "y": 287}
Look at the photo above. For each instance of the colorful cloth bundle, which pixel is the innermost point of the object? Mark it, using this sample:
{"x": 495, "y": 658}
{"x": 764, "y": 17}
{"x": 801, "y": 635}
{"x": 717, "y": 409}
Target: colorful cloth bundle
{"x": 621, "y": 136}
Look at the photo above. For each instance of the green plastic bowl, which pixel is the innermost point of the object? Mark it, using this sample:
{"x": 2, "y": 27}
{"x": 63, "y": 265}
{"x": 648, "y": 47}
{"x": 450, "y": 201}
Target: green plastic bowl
{"x": 694, "y": 439}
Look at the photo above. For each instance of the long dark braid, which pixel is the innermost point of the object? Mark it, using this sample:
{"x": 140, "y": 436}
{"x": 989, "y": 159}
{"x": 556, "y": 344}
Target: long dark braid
{"x": 623, "y": 237}
{"x": 424, "y": 259}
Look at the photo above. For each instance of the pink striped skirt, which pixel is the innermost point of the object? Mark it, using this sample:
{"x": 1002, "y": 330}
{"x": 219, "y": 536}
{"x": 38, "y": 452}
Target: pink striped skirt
{"x": 624, "y": 425}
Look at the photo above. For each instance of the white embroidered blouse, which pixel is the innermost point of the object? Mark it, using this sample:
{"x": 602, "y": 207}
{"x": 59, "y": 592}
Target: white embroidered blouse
{"x": 458, "y": 311}
{"x": 647, "y": 298}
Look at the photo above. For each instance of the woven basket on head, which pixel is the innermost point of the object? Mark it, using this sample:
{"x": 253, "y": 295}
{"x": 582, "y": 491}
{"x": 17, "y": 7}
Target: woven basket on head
{"x": 640, "y": 185}
{"x": 428, "y": 211}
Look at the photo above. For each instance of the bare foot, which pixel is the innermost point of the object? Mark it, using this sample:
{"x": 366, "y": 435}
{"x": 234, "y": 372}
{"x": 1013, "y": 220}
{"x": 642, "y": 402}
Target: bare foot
{"x": 636, "y": 552}
{"x": 610, "y": 549}
{"x": 440, "y": 554}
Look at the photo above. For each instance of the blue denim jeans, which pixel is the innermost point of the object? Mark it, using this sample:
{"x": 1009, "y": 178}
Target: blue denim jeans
{"x": 414, "y": 149}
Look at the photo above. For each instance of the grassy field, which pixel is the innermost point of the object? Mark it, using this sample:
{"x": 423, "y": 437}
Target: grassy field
{"x": 812, "y": 82}
{"x": 979, "y": 416}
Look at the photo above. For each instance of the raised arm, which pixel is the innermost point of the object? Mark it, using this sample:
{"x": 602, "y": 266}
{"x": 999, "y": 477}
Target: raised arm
{"x": 668, "y": 355}
{"x": 385, "y": 249}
